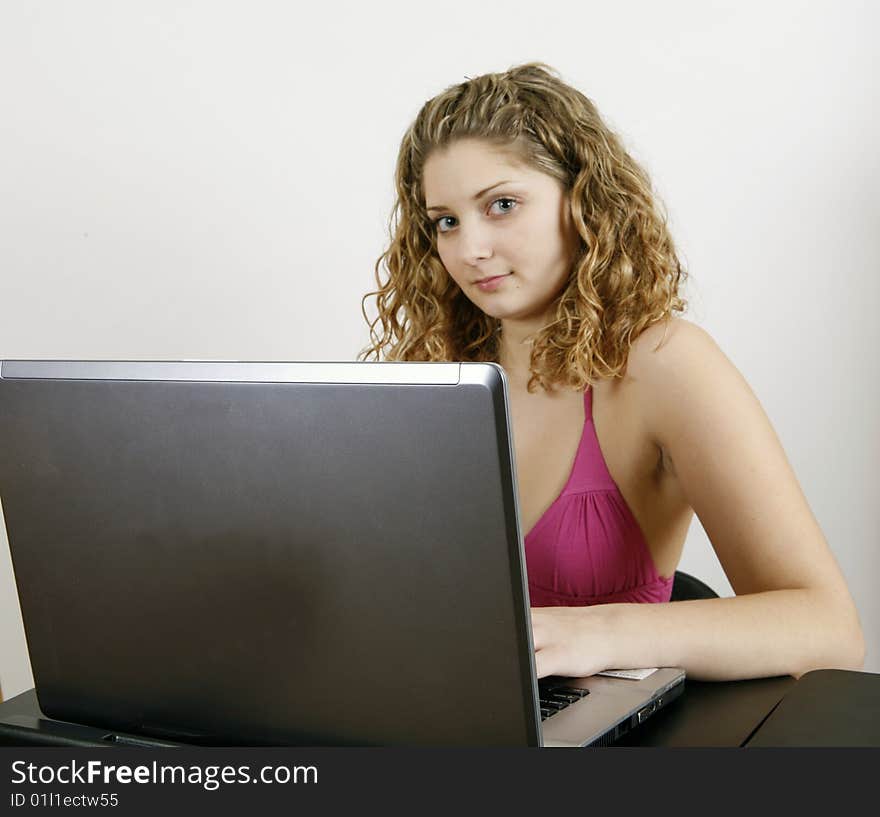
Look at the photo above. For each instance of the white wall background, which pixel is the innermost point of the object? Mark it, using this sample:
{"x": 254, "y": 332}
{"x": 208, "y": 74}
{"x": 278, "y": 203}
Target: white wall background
{"x": 214, "y": 179}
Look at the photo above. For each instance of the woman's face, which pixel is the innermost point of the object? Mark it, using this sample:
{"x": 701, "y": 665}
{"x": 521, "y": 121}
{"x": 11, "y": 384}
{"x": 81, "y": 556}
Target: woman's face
{"x": 496, "y": 217}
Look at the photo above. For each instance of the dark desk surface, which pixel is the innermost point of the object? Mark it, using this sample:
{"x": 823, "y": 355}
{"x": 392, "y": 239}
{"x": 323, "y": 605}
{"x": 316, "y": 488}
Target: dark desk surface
{"x": 708, "y": 714}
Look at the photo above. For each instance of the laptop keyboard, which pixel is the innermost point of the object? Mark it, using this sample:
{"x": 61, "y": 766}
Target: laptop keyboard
{"x": 555, "y": 695}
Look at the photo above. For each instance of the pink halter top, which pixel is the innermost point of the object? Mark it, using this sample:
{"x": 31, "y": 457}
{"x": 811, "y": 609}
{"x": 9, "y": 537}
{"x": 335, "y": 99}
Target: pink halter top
{"x": 588, "y": 548}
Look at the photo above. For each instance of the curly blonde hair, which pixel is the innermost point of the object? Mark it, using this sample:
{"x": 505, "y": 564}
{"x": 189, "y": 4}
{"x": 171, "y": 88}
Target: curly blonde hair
{"x": 625, "y": 275}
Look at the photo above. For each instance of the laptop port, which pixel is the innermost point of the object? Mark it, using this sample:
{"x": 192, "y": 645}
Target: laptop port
{"x": 644, "y": 713}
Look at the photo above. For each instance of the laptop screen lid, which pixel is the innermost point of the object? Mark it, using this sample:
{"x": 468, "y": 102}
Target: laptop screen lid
{"x": 270, "y": 552}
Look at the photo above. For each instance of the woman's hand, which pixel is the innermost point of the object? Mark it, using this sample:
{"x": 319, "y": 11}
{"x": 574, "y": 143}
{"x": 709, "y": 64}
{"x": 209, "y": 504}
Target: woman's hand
{"x": 571, "y": 641}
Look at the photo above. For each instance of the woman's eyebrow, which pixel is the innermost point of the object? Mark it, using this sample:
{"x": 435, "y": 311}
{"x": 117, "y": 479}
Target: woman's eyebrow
{"x": 474, "y": 197}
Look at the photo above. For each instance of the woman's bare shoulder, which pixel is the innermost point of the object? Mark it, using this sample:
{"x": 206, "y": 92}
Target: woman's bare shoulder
{"x": 672, "y": 335}
{"x": 669, "y": 364}
{"x": 676, "y": 346}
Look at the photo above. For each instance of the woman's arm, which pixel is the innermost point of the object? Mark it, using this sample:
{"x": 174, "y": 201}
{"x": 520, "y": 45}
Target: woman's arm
{"x": 792, "y": 612}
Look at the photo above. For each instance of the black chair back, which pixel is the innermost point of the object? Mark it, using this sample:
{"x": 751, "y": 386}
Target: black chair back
{"x": 686, "y": 588}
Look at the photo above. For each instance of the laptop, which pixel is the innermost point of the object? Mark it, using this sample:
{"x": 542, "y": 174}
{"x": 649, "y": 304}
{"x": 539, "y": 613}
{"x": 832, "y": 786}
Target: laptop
{"x": 282, "y": 554}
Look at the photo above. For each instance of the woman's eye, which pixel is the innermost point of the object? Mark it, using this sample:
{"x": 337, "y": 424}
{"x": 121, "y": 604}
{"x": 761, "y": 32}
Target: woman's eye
{"x": 439, "y": 223}
{"x": 508, "y": 201}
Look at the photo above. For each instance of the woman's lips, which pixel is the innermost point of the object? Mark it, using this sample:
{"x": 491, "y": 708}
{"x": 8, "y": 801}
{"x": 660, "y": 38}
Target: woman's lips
{"x": 490, "y": 284}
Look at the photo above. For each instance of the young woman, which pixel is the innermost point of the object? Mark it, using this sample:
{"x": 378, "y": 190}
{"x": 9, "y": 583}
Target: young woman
{"x": 526, "y": 235}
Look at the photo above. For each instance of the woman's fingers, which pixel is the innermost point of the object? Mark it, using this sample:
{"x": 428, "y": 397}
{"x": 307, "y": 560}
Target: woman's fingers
{"x": 565, "y": 643}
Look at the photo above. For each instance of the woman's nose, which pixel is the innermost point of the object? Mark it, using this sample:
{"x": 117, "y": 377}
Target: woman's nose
{"x": 475, "y": 244}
